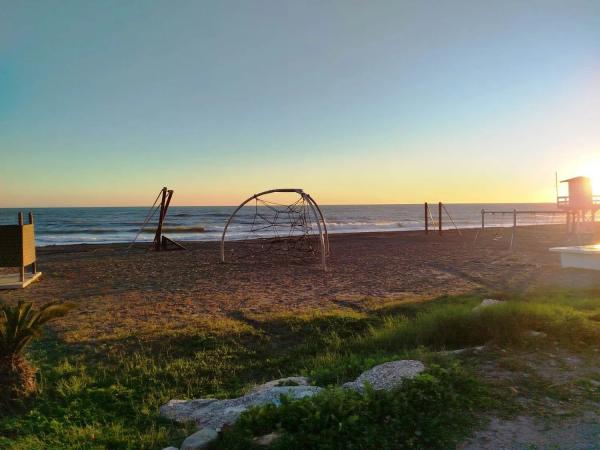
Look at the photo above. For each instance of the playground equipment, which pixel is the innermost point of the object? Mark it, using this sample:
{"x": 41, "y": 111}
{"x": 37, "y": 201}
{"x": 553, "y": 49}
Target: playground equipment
{"x": 295, "y": 228}
{"x": 161, "y": 242}
{"x": 429, "y": 219}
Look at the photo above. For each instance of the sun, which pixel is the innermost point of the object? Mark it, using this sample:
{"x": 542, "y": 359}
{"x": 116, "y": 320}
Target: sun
{"x": 591, "y": 169}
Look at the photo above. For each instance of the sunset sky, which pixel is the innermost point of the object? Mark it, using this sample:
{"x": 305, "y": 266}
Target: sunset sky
{"x": 104, "y": 102}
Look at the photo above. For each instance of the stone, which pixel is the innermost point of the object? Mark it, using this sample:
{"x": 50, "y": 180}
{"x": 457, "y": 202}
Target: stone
{"x": 387, "y": 376}
{"x": 487, "y": 303}
{"x": 288, "y": 381}
{"x": 170, "y": 448}
{"x": 200, "y": 439}
{"x": 182, "y": 410}
{"x": 215, "y": 414}
{"x": 267, "y": 439}
{"x": 212, "y": 415}
{"x": 220, "y": 413}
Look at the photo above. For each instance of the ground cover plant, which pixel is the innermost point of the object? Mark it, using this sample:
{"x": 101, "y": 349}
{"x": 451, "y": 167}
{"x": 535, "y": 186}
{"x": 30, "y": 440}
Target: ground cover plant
{"x": 434, "y": 410}
{"x": 19, "y": 326}
{"x": 106, "y": 393}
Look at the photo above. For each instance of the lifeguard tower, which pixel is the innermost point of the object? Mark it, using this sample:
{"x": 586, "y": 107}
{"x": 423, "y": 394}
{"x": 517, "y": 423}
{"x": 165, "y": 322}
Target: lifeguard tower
{"x": 580, "y": 205}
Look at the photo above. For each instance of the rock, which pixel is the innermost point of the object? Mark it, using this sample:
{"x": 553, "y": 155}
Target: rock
{"x": 289, "y": 381}
{"x": 225, "y": 412}
{"x": 212, "y": 415}
{"x": 200, "y": 439}
{"x": 170, "y": 448}
{"x": 387, "y": 376}
{"x": 487, "y": 303}
{"x": 182, "y": 410}
{"x": 215, "y": 414}
{"x": 266, "y": 440}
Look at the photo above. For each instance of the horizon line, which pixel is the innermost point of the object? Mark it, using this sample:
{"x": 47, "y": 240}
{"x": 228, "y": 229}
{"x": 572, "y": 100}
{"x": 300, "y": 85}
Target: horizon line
{"x": 320, "y": 204}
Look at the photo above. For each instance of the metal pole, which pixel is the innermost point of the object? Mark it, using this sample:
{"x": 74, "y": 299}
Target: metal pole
{"x": 514, "y": 229}
{"x": 482, "y": 218}
{"x": 426, "y": 218}
{"x": 440, "y": 217}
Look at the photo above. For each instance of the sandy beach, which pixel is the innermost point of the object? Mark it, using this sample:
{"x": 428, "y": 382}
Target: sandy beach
{"x": 188, "y": 288}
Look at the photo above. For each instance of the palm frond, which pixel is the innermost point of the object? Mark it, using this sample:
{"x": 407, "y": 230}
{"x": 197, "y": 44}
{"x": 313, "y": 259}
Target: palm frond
{"x": 20, "y": 324}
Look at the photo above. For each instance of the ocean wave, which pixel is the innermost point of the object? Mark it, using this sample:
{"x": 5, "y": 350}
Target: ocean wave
{"x": 183, "y": 229}
{"x": 93, "y": 231}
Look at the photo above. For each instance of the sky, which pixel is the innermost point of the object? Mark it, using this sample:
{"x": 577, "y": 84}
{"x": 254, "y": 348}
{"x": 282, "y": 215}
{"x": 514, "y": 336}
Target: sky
{"x": 104, "y": 102}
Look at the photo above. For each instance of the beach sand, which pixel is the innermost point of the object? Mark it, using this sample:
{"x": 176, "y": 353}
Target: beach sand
{"x": 179, "y": 289}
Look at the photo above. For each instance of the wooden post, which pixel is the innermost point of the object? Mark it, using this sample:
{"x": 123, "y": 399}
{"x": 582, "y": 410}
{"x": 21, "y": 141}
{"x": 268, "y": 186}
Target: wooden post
{"x": 164, "y": 214}
{"x": 514, "y": 228}
{"x": 22, "y": 268}
{"x": 426, "y": 218}
{"x": 440, "y": 217}
{"x": 34, "y": 264}
{"x": 482, "y": 218}
{"x": 157, "y": 237}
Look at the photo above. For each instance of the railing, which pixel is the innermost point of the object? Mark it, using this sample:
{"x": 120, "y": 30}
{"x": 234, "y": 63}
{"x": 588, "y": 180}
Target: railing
{"x": 563, "y": 201}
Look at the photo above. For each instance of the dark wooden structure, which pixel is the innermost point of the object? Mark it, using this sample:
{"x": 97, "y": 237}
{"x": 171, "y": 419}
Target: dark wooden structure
{"x": 160, "y": 242}
{"x": 17, "y": 249}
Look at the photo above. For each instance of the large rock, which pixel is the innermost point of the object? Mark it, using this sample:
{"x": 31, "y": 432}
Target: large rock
{"x": 226, "y": 412}
{"x": 211, "y": 414}
{"x": 387, "y": 376}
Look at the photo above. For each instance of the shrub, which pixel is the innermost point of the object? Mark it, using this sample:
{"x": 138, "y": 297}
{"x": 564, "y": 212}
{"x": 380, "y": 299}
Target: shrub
{"x": 19, "y": 325}
{"x": 434, "y": 410}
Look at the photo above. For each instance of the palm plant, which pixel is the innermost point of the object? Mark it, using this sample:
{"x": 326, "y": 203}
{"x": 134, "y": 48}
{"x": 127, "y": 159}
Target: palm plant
{"x": 19, "y": 325}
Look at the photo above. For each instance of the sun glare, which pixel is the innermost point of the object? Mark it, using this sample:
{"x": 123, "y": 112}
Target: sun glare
{"x": 592, "y": 170}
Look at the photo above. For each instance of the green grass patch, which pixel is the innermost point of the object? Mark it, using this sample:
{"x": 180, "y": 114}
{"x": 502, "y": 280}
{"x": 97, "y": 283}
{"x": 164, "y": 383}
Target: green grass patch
{"x": 409, "y": 417}
{"x": 107, "y": 394}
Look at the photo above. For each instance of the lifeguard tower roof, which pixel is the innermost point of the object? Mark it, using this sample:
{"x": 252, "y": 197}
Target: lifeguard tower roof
{"x": 568, "y": 180}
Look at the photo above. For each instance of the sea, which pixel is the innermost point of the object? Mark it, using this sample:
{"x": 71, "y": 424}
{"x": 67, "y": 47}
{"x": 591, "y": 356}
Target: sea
{"x": 59, "y": 226}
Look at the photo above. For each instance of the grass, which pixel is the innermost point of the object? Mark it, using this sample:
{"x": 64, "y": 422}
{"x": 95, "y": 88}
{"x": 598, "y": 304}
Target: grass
{"x": 106, "y": 394}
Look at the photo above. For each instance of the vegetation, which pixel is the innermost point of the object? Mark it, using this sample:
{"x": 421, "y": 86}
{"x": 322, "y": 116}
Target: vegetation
{"x": 19, "y": 325}
{"x": 412, "y": 415}
{"x": 106, "y": 394}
